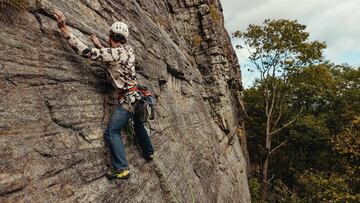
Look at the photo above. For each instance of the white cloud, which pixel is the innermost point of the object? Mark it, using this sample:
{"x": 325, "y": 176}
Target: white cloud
{"x": 332, "y": 21}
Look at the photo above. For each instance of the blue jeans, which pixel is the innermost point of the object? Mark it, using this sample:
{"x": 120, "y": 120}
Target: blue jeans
{"x": 112, "y": 136}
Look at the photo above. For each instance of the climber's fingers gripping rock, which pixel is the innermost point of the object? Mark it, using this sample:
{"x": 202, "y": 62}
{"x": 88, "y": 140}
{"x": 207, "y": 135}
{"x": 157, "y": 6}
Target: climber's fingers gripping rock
{"x": 61, "y": 22}
{"x": 96, "y": 42}
{"x": 60, "y": 19}
{"x": 94, "y": 38}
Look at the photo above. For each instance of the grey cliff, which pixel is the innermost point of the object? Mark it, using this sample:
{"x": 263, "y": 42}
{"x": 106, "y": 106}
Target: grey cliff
{"x": 54, "y": 105}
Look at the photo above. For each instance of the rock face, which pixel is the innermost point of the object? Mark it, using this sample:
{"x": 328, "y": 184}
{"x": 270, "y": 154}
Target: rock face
{"x": 54, "y": 105}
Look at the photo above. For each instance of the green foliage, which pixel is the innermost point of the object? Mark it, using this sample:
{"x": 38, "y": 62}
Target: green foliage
{"x": 320, "y": 163}
{"x": 347, "y": 143}
{"x": 283, "y": 194}
{"x": 310, "y": 88}
{"x": 280, "y": 193}
{"x": 323, "y": 187}
{"x": 341, "y": 185}
{"x": 255, "y": 190}
{"x": 215, "y": 15}
{"x": 280, "y": 45}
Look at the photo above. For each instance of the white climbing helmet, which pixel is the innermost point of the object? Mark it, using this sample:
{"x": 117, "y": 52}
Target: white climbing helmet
{"x": 120, "y": 28}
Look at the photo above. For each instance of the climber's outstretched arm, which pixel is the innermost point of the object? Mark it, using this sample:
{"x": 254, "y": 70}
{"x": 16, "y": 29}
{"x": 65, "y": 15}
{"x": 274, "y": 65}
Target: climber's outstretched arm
{"x": 103, "y": 54}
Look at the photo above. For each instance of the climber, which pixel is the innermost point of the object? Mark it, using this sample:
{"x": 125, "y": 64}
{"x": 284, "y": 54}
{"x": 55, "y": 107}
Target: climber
{"x": 121, "y": 71}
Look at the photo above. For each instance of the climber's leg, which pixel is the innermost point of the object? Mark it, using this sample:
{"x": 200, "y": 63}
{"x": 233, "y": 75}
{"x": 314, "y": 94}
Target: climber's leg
{"x": 113, "y": 139}
{"x": 143, "y": 139}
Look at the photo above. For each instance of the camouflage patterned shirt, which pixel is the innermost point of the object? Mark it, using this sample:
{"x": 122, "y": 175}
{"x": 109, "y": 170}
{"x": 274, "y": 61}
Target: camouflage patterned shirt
{"x": 121, "y": 69}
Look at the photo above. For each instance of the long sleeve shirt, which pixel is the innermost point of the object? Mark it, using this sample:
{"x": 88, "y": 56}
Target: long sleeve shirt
{"x": 121, "y": 61}
{"x": 121, "y": 69}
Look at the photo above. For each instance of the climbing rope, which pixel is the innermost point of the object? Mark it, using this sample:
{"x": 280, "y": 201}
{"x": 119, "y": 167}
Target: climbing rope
{"x": 129, "y": 129}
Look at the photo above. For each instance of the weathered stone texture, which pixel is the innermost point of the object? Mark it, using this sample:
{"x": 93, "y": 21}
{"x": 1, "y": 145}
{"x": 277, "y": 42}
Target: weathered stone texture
{"x": 54, "y": 105}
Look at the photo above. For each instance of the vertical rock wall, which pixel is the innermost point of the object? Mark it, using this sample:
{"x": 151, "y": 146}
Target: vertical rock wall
{"x": 54, "y": 105}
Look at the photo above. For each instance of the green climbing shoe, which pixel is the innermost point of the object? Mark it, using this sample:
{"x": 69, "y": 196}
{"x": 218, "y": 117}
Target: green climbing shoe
{"x": 149, "y": 158}
{"x": 120, "y": 174}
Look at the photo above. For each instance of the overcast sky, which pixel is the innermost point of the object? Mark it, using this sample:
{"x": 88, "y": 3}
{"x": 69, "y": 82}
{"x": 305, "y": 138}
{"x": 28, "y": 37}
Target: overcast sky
{"x": 337, "y": 22}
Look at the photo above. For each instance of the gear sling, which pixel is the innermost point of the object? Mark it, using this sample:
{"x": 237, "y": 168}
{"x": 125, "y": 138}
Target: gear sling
{"x": 145, "y": 107}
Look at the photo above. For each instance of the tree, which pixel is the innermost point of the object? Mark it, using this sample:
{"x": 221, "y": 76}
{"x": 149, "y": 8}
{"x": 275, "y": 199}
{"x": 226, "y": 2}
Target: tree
{"x": 309, "y": 165}
{"x": 341, "y": 185}
{"x": 278, "y": 49}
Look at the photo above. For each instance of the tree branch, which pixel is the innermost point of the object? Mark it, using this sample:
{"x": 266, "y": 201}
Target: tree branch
{"x": 272, "y": 101}
{"x": 280, "y": 111}
{"x": 272, "y": 177}
{"x": 287, "y": 124}
{"x": 276, "y": 148}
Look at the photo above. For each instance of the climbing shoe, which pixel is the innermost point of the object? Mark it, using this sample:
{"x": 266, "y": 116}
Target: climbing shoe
{"x": 150, "y": 157}
{"x": 119, "y": 174}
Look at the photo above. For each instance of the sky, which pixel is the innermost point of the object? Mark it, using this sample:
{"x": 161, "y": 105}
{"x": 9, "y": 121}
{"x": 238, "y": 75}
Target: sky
{"x": 335, "y": 22}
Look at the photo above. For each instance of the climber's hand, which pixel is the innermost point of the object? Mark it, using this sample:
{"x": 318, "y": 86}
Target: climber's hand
{"x": 60, "y": 19}
{"x": 61, "y": 22}
{"x": 96, "y": 42}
